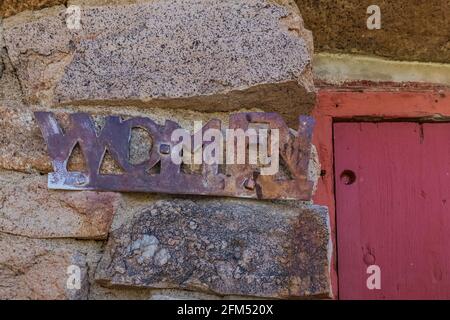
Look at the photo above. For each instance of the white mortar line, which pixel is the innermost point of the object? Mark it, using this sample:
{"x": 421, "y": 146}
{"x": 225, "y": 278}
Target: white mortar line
{"x": 340, "y": 68}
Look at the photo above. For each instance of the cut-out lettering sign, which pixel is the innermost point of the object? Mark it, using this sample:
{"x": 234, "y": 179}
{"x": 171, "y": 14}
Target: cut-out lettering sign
{"x": 288, "y": 152}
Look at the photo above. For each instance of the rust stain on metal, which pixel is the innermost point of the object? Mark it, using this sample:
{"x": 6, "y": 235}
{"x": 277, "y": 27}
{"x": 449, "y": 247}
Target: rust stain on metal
{"x": 240, "y": 180}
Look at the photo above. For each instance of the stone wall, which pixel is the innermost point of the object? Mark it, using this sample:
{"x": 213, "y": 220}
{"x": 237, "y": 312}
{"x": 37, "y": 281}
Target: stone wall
{"x": 412, "y": 30}
{"x": 164, "y": 59}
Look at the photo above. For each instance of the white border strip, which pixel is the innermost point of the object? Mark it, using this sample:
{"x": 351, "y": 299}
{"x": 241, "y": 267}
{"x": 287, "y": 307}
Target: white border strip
{"x": 341, "y": 68}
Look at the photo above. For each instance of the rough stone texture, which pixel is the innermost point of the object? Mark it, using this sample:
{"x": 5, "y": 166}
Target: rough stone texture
{"x": 97, "y": 292}
{"x": 337, "y": 69}
{"x": 38, "y": 44}
{"x": 10, "y": 90}
{"x": 37, "y": 269}
{"x": 103, "y": 2}
{"x": 9, "y": 85}
{"x": 222, "y": 247}
{"x": 28, "y": 208}
{"x": 12, "y": 7}
{"x": 410, "y": 29}
{"x": 22, "y": 146}
{"x": 155, "y": 68}
{"x": 166, "y": 53}
{"x": 2, "y": 45}
{"x": 2, "y": 41}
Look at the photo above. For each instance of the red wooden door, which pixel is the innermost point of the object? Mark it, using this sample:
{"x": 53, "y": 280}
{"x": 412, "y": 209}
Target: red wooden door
{"x": 393, "y": 209}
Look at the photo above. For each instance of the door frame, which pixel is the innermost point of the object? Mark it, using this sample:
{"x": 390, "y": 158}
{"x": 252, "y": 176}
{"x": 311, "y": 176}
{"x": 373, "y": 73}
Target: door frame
{"x": 372, "y": 103}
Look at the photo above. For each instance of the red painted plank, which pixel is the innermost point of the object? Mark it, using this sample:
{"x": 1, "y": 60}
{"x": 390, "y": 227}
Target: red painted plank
{"x": 397, "y": 212}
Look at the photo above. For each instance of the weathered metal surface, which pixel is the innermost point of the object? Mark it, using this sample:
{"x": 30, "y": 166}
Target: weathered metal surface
{"x": 239, "y": 180}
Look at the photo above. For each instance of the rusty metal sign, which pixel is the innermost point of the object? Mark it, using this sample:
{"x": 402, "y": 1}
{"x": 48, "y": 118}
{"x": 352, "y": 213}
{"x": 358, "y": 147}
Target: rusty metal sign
{"x": 235, "y": 180}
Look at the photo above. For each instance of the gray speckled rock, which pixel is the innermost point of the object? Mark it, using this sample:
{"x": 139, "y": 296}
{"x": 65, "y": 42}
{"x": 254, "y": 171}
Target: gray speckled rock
{"x": 1, "y": 66}
{"x": 38, "y": 44}
{"x": 223, "y": 247}
{"x": 2, "y": 41}
{"x": 2, "y": 44}
{"x": 205, "y": 55}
